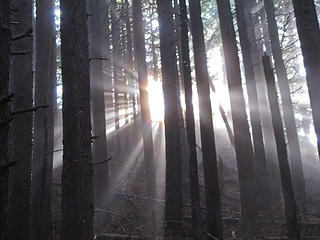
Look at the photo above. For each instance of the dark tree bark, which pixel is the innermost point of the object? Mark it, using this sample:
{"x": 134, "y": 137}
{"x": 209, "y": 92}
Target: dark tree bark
{"x": 174, "y": 208}
{"x": 288, "y": 113}
{"x": 140, "y": 56}
{"x": 21, "y": 134}
{"x": 243, "y": 145}
{"x": 5, "y": 46}
{"x": 259, "y": 150}
{"x": 287, "y": 187}
{"x": 190, "y": 123}
{"x": 100, "y": 152}
{"x": 254, "y": 33}
{"x": 45, "y": 77}
{"x": 77, "y": 192}
{"x": 309, "y": 36}
{"x": 129, "y": 61}
{"x": 209, "y": 155}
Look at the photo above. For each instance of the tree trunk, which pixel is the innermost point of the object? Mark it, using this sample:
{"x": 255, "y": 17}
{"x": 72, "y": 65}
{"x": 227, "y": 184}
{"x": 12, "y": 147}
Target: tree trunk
{"x": 44, "y": 120}
{"x": 174, "y": 206}
{"x": 5, "y": 47}
{"x": 117, "y": 69}
{"x": 21, "y": 132}
{"x": 100, "y": 152}
{"x": 287, "y": 187}
{"x": 243, "y": 145}
{"x": 306, "y": 15}
{"x": 288, "y": 113}
{"x": 259, "y": 150}
{"x": 209, "y": 155}
{"x": 254, "y": 33}
{"x": 190, "y": 123}
{"x": 140, "y": 56}
{"x": 77, "y": 190}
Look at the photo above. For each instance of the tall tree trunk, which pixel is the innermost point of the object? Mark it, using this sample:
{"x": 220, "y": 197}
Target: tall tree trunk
{"x": 129, "y": 60}
{"x": 77, "y": 192}
{"x": 140, "y": 56}
{"x": 45, "y": 81}
{"x": 288, "y": 113}
{"x": 259, "y": 150}
{"x": 117, "y": 69}
{"x": 190, "y": 123}
{"x": 287, "y": 187}
{"x": 243, "y": 145}
{"x": 100, "y": 152}
{"x": 306, "y": 15}
{"x": 174, "y": 208}
{"x": 5, "y": 47}
{"x": 21, "y": 134}
{"x": 254, "y": 33}
{"x": 209, "y": 155}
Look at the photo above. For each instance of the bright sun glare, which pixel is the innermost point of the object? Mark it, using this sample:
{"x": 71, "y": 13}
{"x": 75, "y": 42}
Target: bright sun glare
{"x": 156, "y": 104}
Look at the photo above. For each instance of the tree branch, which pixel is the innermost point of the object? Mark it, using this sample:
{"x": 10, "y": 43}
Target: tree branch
{"x": 26, "y": 34}
{"x": 7, "y": 165}
{"x": 33, "y": 109}
{"x": 6, "y": 99}
{"x": 98, "y": 163}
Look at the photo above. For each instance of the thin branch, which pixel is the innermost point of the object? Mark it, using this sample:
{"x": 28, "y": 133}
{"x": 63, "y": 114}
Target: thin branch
{"x": 98, "y": 163}
{"x": 26, "y": 34}
{"x": 6, "y": 99}
{"x": 33, "y": 109}
{"x": 98, "y": 58}
{"x": 19, "y": 53}
{"x": 7, "y": 165}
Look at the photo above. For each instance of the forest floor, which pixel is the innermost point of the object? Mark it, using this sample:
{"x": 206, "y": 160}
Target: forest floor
{"x": 123, "y": 214}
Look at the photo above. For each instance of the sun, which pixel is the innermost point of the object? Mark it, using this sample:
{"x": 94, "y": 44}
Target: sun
{"x": 156, "y": 103}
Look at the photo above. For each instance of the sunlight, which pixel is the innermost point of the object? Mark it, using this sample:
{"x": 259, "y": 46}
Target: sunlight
{"x": 156, "y": 103}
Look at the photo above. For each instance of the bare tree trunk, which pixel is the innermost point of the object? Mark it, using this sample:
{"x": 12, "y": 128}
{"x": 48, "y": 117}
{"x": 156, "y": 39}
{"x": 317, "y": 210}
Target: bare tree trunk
{"x": 100, "y": 151}
{"x": 254, "y": 33}
{"x": 77, "y": 174}
{"x": 190, "y": 123}
{"x": 117, "y": 69}
{"x": 288, "y": 113}
{"x": 209, "y": 155}
{"x": 243, "y": 145}
{"x": 287, "y": 187}
{"x": 140, "y": 54}
{"x": 5, "y": 47}
{"x": 21, "y": 134}
{"x": 44, "y": 120}
{"x": 129, "y": 60}
{"x": 263, "y": 190}
{"x": 306, "y": 15}
{"x": 174, "y": 206}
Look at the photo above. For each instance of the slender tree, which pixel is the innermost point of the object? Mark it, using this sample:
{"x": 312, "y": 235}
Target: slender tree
{"x": 306, "y": 15}
{"x": 5, "y": 46}
{"x": 190, "y": 123}
{"x": 259, "y": 150}
{"x": 243, "y": 145}
{"x": 100, "y": 153}
{"x": 288, "y": 113}
{"x": 287, "y": 187}
{"x": 45, "y": 77}
{"x": 174, "y": 208}
{"x": 21, "y": 134}
{"x": 209, "y": 155}
{"x": 140, "y": 56}
{"x": 77, "y": 193}
{"x": 117, "y": 68}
